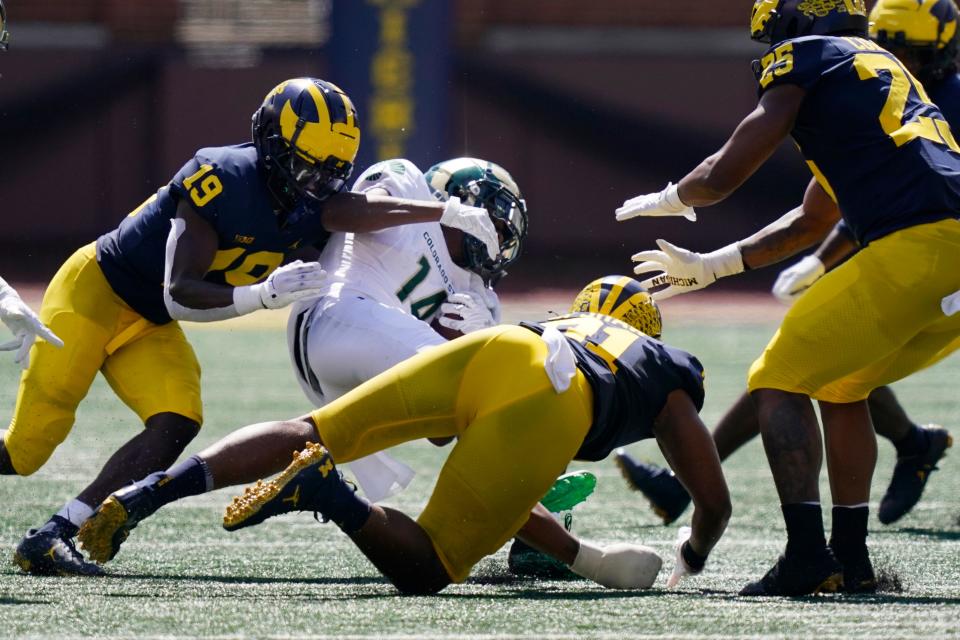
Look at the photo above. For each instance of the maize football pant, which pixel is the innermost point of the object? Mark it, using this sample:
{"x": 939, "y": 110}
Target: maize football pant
{"x": 871, "y": 321}
{"x": 152, "y": 368}
{"x": 515, "y": 433}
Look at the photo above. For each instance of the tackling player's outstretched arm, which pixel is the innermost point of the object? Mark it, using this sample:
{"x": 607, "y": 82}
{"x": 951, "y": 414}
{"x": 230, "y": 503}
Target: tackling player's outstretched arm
{"x": 371, "y": 211}
{"x": 689, "y": 448}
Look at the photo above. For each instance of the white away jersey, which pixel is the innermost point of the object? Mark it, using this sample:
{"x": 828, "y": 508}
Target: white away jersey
{"x": 407, "y": 267}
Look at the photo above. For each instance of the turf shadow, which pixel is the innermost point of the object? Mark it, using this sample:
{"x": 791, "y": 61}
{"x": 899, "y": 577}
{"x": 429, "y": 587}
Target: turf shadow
{"x": 360, "y": 581}
{"x": 17, "y": 601}
{"x": 939, "y": 534}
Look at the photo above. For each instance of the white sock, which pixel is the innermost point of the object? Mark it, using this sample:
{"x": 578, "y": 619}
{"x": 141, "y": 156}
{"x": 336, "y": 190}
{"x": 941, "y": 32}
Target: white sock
{"x": 76, "y": 512}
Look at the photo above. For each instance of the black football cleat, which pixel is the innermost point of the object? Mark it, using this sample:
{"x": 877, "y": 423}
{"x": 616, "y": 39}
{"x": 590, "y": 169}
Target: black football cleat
{"x": 858, "y": 575}
{"x": 910, "y": 476}
{"x": 795, "y": 575}
{"x": 304, "y": 485}
{"x": 49, "y": 551}
{"x": 660, "y": 487}
{"x": 108, "y": 528}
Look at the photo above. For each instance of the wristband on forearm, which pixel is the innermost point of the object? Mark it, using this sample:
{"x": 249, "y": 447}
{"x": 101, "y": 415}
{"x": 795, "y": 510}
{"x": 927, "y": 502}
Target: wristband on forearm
{"x": 726, "y": 261}
{"x": 693, "y": 559}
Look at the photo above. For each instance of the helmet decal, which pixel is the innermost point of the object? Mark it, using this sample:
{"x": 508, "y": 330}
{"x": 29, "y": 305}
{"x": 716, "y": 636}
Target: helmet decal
{"x": 822, "y": 8}
{"x": 763, "y": 11}
{"x": 623, "y": 298}
{"x": 774, "y": 21}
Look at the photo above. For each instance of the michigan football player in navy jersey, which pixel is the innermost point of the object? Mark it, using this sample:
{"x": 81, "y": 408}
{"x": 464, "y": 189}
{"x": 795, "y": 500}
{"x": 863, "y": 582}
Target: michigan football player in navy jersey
{"x": 217, "y": 242}
{"x": 924, "y": 36}
{"x": 883, "y": 157}
{"x": 580, "y": 385}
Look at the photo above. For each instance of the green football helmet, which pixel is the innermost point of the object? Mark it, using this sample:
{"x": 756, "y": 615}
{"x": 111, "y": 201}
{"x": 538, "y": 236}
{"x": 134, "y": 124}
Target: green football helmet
{"x": 480, "y": 183}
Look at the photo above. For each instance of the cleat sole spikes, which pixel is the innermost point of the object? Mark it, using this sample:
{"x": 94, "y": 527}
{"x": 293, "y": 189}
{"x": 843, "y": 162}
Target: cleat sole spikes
{"x": 97, "y": 535}
{"x": 244, "y": 510}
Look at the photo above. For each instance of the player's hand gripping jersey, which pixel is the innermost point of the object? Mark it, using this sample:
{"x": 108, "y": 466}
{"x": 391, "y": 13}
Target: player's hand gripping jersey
{"x": 631, "y": 375}
{"x": 869, "y": 132}
{"x": 224, "y": 187}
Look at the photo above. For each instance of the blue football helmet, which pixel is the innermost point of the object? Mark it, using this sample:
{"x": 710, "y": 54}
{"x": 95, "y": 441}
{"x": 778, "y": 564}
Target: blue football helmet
{"x": 922, "y": 34}
{"x": 623, "y": 298}
{"x": 772, "y": 21}
{"x": 480, "y": 183}
{"x": 307, "y": 137}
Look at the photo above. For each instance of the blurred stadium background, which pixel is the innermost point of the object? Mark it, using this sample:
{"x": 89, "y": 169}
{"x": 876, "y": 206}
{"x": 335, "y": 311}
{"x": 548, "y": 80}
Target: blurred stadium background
{"x": 586, "y": 103}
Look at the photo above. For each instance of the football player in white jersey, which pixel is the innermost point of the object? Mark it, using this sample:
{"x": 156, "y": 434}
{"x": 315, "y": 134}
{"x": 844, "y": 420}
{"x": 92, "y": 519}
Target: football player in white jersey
{"x": 394, "y": 292}
{"x": 390, "y": 291}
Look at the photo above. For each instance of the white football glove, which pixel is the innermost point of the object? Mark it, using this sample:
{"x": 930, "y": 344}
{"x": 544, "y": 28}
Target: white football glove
{"x": 465, "y": 312}
{"x": 795, "y": 280}
{"x": 474, "y": 221}
{"x": 680, "y": 568}
{"x": 951, "y": 304}
{"x": 487, "y": 295}
{"x": 286, "y": 285}
{"x": 25, "y": 326}
{"x": 662, "y": 203}
{"x": 684, "y": 270}
{"x": 618, "y": 566}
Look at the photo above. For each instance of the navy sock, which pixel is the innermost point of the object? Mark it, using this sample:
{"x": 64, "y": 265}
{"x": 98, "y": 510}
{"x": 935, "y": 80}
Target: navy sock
{"x": 187, "y": 478}
{"x": 346, "y": 508}
{"x": 849, "y": 528}
{"x": 804, "y": 528}
{"x": 912, "y": 444}
{"x": 61, "y": 526}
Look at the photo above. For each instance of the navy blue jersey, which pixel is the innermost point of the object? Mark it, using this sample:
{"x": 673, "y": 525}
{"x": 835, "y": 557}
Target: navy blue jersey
{"x": 946, "y": 95}
{"x": 227, "y": 188}
{"x": 631, "y": 375}
{"x": 869, "y": 132}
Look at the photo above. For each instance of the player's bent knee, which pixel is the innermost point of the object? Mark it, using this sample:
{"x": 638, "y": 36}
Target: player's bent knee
{"x": 25, "y": 464}
{"x": 25, "y": 454}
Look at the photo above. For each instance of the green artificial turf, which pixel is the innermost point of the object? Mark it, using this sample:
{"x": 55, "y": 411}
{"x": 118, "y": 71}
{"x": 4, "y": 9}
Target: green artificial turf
{"x": 181, "y": 575}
